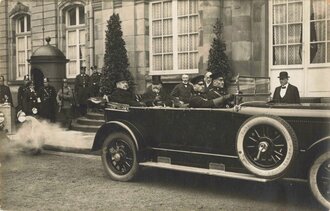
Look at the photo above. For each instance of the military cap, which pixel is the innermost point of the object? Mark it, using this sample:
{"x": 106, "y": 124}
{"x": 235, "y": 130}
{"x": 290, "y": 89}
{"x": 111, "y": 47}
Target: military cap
{"x": 156, "y": 80}
{"x": 197, "y": 79}
{"x": 216, "y": 75}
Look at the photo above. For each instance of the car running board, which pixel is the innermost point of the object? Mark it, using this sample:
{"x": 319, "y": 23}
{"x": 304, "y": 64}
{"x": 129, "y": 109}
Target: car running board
{"x": 212, "y": 172}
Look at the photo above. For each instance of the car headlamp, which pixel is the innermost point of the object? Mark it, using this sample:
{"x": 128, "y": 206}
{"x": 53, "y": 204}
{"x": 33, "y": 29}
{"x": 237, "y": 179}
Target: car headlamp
{"x": 2, "y": 117}
{"x": 34, "y": 110}
{"x": 21, "y": 116}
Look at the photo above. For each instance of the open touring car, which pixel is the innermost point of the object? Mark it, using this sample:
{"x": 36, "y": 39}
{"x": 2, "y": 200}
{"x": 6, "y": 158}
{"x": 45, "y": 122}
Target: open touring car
{"x": 254, "y": 140}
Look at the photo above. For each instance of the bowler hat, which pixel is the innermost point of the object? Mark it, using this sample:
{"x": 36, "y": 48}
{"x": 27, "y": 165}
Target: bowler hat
{"x": 284, "y": 74}
{"x": 156, "y": 80}
{"x": 216, "y": 75}
{"x": 120, "y": 77}
{"x": 197, "y": 79}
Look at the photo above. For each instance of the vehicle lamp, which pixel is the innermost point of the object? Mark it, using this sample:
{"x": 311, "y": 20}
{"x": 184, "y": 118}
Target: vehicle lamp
{"x": 2, "y": 117}
{"x": 21, "y": 116}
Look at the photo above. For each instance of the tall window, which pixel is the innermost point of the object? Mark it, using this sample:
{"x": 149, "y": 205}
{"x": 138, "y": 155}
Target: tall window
{"x": 23, "y": 45}
{"x": 174, "y": 37}
{"x": 75, "y": 39}
{"x": 320, "y": 31}
{"x": 287, "y": 32}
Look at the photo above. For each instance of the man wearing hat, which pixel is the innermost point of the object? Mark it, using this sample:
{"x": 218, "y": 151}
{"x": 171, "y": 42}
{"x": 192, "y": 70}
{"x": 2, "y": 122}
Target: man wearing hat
{"x": 218, "y": 89}
{"x": 207, "y": 81}
{"x": 5, "y": 94}
{"x": 47, "y": 94}
{"x": 155, "y": 95}
{"x": 22, "y": 90}
{"x": 122, "y": 94}
{"x": 199, "y": 100}
{"x": 31, "y": 100}
{"x": 183, "y": 91}
{"x": 95, "y": 82}
{"x": 81, "y": 88}
{"x": 286, "y": 93}
{"x": 65, "y": 101}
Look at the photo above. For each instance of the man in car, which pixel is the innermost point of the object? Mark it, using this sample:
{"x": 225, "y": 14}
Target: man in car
{"x": 122, "y": 94}
{"x": 199, "y": 100}
{"x": 286, "y": 93}
{"x": 207, "y": 81}
{"x": 5, "y": 94}
{"x": 218, "y": 89}
{"x": 182, "y": 91}
{"x": 155, "y": 94}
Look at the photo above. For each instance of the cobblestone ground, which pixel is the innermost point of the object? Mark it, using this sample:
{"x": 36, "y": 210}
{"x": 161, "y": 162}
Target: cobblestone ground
{"x": 62, "y": 182}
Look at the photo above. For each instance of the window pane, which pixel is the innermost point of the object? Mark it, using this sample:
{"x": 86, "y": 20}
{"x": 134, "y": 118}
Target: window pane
{"x": 157, "y": 45}
{"x": 157, "y": 63}
{"x": 21, "y": 25}
{"x": 328, "y": 52}
{"x": 29, "y": 42}
{"x": 328, "y": 30}
{"x": 21, "y": 57}
{"x": 183, "y": 43}
{"x": 156, "y": 11}
{"x": 168, "y": 62}
{"x": 167, "y": 27}
{"x": 279, "y": 1}
{"x": 72, "y": 37}
{"x": 21, "y": 70}
{"x": 72, "y": 17}
{"x": 82, "y": 52}
{"x": 319, "y": 30}
{"x": 193, "y": 6}
{"x": 168, "y": 43}
{"x": 279, "y": 55}
{"x": 294, "y": 54}
{"x": 167, "y": 8}
{"x": 279, "y": 15}
{"x": 295, "y": 33}
{"x": 20, "y": 43}
{"x": 183, "y": 61}
{"x": 156, "y": 28}
{"x": 183, "y": 25}
{"x": 318, "y": 8}
{"x": 28, "y": 23}
{"x": 193, "y": 23}
{"x": 72, "y": 68}
{"x": 193, "y": 60}
{"x": 193, "y": 42}
{"x": 82, "y": 36}
{"x": 279, "y": 35}
{"x": 183, "y": 7}
{"x": 81, "y": 15}
{"x": 295, "y": 12}
{"x": 72, "y": 52}
{"x": 317, "y": 53}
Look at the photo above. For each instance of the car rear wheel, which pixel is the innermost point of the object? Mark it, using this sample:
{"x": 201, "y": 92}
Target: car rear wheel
{"x": 119, "y": 157}
{"x": 266, "y": 146}
{"x": 319, "y": 179}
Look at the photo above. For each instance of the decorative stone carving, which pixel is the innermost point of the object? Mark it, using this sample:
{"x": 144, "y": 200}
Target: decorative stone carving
{"x": 19, "y": 8}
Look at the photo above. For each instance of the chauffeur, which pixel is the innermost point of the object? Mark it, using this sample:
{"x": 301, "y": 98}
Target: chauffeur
{"x": 47, "y": 94}
{"x": 5, "y": 94}
{"x": 199, "y": 100}
{"x": 81, "y": 88}
{"x": 286, "y": 93}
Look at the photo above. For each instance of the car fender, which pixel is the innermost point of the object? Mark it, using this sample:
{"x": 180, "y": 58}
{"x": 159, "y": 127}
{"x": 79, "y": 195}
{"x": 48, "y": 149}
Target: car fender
{"x": 319, "y": 146}
{"x": 115, "y": 126}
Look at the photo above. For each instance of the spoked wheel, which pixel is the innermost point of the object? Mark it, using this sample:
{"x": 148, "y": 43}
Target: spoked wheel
{"x": 266, "y": 146}
{"x": 319, "y": 179}
{"x": 119, "y": 157}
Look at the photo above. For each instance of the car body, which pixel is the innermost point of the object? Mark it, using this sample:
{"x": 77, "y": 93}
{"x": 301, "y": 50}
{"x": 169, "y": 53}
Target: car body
{"x": 256, "y": 141}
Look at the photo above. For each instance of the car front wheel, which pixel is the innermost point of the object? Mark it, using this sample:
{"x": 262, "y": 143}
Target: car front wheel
{"x": 119, "y": 157}
{"x": 319, "y": 179}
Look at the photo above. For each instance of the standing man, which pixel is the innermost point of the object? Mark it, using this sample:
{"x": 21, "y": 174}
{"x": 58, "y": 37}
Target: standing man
{"x": 95, "y": 82}
{"x": 286, "y": 93}
{"x": 5, "y": 94}
{"x": 199, "y": 100}
{"x": 81, "y": 88}
{"x": 47, "y": 94}
{"x": 218, "y": 89}
{"x": 64, "y": 99}
{"x": 31, "y": 100}
{"x": 207, "y": 81}
{"x": 182, "y": 91}
{"x": 22, "y": 90}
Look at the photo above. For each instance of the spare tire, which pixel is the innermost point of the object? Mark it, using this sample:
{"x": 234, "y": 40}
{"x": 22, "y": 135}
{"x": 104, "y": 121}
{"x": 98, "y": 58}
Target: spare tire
{"x": 266, "y": 146}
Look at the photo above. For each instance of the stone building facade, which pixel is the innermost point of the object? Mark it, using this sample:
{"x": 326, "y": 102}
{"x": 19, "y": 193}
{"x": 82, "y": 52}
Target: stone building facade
{"x": 171, "y": 37}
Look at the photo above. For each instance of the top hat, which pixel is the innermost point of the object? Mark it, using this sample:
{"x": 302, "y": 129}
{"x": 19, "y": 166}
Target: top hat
{"x": 46, "y": 80}
{"x": 197, "y": 79}
{"x": 156, "y": 80}
{"x": 216, "y": 75}
{"x": 120, "y": 77}
{"x": 284, "y": 74}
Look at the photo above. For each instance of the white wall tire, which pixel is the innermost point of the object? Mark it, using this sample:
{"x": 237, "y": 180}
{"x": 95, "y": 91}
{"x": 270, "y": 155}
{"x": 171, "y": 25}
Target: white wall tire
{"x": 319, "y": 179}
{"x": 266, "y": 146}
{"x": 119, "y": 157}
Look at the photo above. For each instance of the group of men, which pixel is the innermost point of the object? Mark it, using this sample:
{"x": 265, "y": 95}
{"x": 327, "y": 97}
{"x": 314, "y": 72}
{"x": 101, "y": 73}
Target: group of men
{"x": 202, "y": 91}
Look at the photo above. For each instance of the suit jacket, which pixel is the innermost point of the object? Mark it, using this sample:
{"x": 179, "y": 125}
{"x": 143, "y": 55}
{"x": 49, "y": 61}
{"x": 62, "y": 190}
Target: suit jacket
{"x": 183, "y": 92}
{"x": 291, "y": 95}
{"x": 199, "y": 100}
{"x": 124, "y": 96}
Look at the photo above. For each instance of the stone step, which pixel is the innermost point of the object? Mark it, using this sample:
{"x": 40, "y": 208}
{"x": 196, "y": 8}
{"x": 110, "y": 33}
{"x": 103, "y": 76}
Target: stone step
{"x": 84, "y": 128}
{"x": 87, "y": 121}
{"x": 94, "y": 115}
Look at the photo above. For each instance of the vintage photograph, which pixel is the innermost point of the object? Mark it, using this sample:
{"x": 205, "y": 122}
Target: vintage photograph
{"x": 165, "y": 105}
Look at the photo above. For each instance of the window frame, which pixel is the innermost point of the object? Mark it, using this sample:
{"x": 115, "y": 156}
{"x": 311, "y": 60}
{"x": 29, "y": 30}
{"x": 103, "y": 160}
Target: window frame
{"x": 175, "y": 35}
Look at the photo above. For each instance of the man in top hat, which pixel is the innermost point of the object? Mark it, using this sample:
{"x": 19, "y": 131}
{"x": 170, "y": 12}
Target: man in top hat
{"x": 81, "y": 88}
{"x": 5, "y": 94}
{"x": 48, "y": 94}
{"x": 95, "y": 82}
{"x": 22, "y": 90}
{"x": 218, "y": 89}
{"x": 182, "y": 91}
{"x": 65, "y": 101}
{"x": 286, "y": 93}
{"x": 199, "y": 100}
{"x": 155, "y": 94}
{"x": 122, "y": 94}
